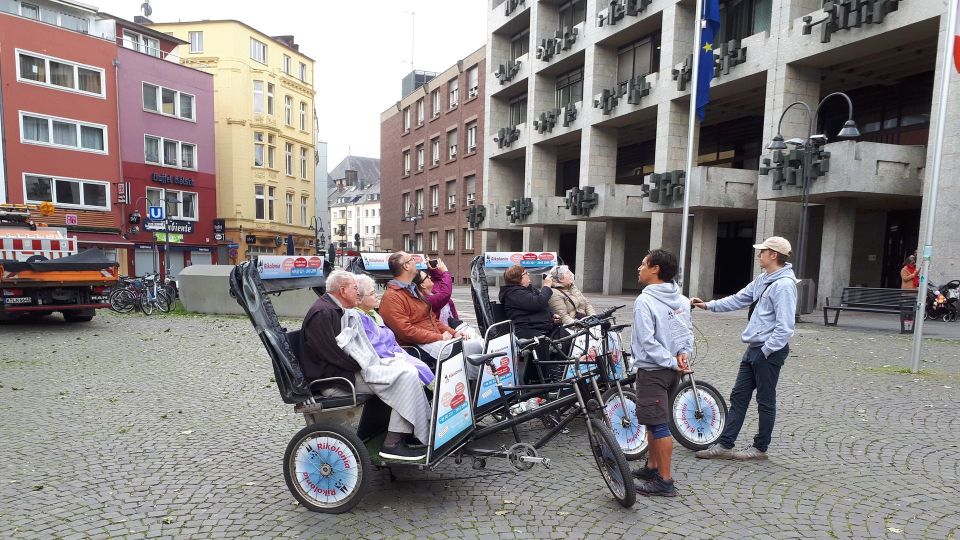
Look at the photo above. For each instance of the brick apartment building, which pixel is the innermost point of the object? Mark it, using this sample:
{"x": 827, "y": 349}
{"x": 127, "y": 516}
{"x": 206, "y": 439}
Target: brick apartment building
{"x": 431, "y": 164}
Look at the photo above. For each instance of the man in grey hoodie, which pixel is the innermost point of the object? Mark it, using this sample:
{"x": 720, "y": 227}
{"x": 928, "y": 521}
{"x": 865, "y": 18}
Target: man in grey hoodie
{"x": 661, "y": 342}
{"x": 772, "y": 299}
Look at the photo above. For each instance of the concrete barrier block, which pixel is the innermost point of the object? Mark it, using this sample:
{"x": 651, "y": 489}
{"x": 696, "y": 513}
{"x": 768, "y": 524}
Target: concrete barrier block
{"x": 205, "y": 288}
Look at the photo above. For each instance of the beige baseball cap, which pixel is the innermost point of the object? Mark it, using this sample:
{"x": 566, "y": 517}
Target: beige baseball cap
{"x": 775, "y": 243}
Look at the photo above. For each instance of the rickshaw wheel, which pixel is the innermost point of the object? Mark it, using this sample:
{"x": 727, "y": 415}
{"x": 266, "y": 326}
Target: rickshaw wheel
{"x": 612, "y": 464}
{"x": 692, "y": 430}
{"x": 622, "y": 421}
{"x": 327, "y": 468}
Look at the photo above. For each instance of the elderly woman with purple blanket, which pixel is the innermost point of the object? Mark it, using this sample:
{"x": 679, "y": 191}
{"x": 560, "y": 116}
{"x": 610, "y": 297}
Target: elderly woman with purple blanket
{"x": 382, "y": 338}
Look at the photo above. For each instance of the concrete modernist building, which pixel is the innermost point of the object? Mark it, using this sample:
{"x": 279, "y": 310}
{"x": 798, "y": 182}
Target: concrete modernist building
{"x": 264, "y": 133}
{"x": 167, "y": 145}
{"x": 432, "y": 149}
{"x": 353, "y": 199}
{"x": 587, "y": 114}
{"x": 59, "y": 103}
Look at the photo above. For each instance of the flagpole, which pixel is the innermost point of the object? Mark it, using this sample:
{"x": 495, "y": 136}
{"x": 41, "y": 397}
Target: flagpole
{"x": 930, "y": 198}
{"x": 694, "y": 80}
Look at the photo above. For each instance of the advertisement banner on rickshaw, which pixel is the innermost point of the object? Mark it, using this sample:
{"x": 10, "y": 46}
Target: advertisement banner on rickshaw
{"x": 588, "y": 347}
{"x": 373, "y": 262}
{"x": 505, "y": 373}
{"x": 452, "y": 408}
{"x": 526, "y": 259}
{"x": 286, "y": 267}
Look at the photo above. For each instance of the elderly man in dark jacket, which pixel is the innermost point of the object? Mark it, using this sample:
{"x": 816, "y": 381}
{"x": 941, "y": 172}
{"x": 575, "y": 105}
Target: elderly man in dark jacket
{"x": 321, "y": 357}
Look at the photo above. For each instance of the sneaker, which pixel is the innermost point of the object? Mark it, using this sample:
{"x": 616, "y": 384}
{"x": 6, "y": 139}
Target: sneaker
{"x": 645, "y": 474}
{"x": 750, "y": 454}
{"x": 412, "y": 441}
{"x": 401, "y": 452}
{"x": 658, "y": 487}
{"x": 716, "y": 451}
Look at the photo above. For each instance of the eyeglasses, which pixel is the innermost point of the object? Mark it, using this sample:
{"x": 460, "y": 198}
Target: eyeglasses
{"x": 420, "y": 278}
{"x": 525, "y": 274}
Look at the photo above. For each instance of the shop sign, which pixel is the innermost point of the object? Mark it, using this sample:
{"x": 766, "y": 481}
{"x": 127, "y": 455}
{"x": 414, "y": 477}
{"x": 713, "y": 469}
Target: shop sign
{"x": 219, "y": 226}
{"x": 153, "y": 225}
{"x": 70, "y": 219}
{"x": 251, "y": 239}
{"x": 171, "y": 179}
{"x": 280, "y": 267}
{"x": 182, "y": 227}
{"x": 123, "y": 192}
{"x": 172, "y": 238}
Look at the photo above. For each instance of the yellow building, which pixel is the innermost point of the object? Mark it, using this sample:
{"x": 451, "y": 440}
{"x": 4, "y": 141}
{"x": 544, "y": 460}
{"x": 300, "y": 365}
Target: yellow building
{"x": 264, "y": 128}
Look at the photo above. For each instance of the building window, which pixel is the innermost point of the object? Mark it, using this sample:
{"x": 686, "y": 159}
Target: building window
{"x": 473, "y": 82}
{"x": 169, "y": 102}
{"x": 70, "y": 192}
{"x": 270, "y": 106}
{"x": 259, "y": 201}
{"x": 435, "y": 198}
{"x": 303, "y": 115}
{"x": 286, "y": 64}
{"x": 196, "y": 42}
{"x": 420, "y": 160}
{"x": 454, "y": 90}
{"x": 303, "y": 72}
{"x": 258, "y": 51}
{"x": 435, "y": 150}
{"x": 303, "y": 163}
{"x": 177, "y": 154}
{"x": 29, "y": 11}
{"x": 258, "y": 100}
{"x": 406, "y": 204}
{"x": 452, "y": 143}
{"x": 435, "y": 103}
{"x": 572, "y": 14}
{"x": 470, "y": 189}
{"x": 288, "y": 110}
{"x": 451, "y": 194}
{"x": 303, "y": 210}
{"x": 434, "y": 241}
{"x": 289, "y": 201}
{"x": 467, "y": 240}
{"x": 406, "y": 119}
{"x": 519, "y": 45}
{"x": 569, "y": 88}
{"x": 518, "y": 110}
{"x": 471, "y": 136}
{"x": 180, "y": 205}
{"x": 60, "y": 74}
{"x": 638, "y": 58}
{"x": 141, "y": 43}
{"x": 743, "y": 18}
{"x": 406, "y": 162}
{"x": 451, "y": 240}
{"x": 419, "y": 240}
{"x": 406, "y": 243}
{"x": 288, "y": 159}
{"x": 419, "y": 199}
{"x": 420, "y": 111}
{"x": 62, "y": 133}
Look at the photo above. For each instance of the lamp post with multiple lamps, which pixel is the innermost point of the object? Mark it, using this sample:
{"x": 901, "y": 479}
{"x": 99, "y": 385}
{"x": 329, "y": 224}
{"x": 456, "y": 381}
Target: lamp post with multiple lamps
{"x": 414, "y": 218}
{"x": 810, "y": 148}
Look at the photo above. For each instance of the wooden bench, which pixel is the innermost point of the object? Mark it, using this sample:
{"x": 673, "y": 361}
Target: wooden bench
{"x": 874, "y": 300}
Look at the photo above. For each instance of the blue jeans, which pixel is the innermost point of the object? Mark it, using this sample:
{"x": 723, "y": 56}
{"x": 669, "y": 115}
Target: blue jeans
{"x": 760, "y": 374}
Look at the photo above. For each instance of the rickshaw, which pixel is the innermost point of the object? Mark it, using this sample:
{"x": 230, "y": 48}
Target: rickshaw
{"x": 328, "y": 464}
{"x": 619, "y": 404}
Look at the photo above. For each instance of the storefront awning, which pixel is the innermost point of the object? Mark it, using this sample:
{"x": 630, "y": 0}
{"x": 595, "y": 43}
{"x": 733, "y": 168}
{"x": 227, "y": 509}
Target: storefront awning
{"x": 100, "y": 240}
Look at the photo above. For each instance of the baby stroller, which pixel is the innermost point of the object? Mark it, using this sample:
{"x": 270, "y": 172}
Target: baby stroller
{"x": 943, "y": 302}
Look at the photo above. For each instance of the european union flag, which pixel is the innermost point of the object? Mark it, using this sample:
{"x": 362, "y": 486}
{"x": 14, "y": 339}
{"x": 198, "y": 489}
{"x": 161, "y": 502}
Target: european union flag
{"x": 711, "y": 14}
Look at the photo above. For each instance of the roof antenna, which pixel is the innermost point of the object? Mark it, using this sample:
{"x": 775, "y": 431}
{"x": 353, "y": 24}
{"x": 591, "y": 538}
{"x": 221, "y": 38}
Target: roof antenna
{"x": 146, "y": 9}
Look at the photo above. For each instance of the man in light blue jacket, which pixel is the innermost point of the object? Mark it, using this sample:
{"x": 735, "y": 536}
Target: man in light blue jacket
{"x": 772, "y": 299}
{"x": 661, "y": 343}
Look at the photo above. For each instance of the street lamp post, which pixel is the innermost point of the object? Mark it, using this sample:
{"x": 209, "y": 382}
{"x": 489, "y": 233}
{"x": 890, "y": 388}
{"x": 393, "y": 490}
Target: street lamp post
{"x": 809, "y": 147}
{"x": 413, "y": 238}
{"x": 319, "y": 237}
{"x": 135, "y": 218}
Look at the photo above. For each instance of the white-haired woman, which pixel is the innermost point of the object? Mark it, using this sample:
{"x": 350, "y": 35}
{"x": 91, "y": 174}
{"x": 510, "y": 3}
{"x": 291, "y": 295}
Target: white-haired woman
{"x": 382, "y": 338}
{"x": 567, "y": 301}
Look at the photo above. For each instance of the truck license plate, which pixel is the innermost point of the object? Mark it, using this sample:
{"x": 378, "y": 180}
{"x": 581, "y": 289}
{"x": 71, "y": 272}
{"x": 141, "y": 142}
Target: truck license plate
{"x": 17, "y": 300}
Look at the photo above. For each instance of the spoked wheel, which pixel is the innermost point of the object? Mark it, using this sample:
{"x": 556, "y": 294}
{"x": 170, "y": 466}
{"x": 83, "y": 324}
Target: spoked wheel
{"x": 612, "y": 464}
{"x": 163, "y": 301}
{"x": 146, "y": 304}
{"x": 327, "y": 468}
{"x": 692, "y": 428}
{"x": 122, "y": 301}
{"x": 622, "y": 420}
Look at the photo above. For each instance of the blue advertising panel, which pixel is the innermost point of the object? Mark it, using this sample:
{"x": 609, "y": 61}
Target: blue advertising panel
{"x": 506, "y": 372}
{"x": 286, "y": 267}
{"x": 373, "y": 262}
{"x": 526, "y": 259}
{"x": 452, "y": 414}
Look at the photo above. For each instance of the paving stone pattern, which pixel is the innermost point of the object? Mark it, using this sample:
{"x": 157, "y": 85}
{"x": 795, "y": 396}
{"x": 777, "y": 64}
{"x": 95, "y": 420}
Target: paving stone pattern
{"x": 170, "y": 426}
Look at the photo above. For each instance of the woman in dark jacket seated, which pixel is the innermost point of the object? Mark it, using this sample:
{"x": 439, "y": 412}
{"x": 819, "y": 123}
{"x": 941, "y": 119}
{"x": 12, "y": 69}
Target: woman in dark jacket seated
{"x": 529, "y": 309}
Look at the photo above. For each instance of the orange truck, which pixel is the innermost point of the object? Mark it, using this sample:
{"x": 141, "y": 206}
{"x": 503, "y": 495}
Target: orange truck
{"x": 42, "y": 272}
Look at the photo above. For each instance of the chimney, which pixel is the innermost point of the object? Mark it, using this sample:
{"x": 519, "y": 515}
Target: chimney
{"x": 288, "y": 41}
{"x": 351, "y": 178}
{"x": 140, "y": 19}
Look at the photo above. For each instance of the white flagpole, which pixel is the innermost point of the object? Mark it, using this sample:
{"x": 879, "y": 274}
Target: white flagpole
{"x": 694, "y": 80}
{"x": 930, "y": 198}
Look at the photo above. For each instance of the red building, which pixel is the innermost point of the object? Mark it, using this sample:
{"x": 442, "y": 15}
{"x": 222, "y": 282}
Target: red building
{"x": 59, "y": 91}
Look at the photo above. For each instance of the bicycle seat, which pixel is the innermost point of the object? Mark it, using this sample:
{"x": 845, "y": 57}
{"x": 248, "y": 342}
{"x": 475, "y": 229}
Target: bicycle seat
{"x": 524, "y": 343}
{"x": 481, "y": 359}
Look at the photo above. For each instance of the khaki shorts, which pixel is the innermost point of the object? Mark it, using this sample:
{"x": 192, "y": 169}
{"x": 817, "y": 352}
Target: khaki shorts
{"x": 653, "y": 390}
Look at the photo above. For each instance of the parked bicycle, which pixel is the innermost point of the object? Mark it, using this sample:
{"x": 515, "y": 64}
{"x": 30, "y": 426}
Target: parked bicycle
{"x": 143, "y": 294}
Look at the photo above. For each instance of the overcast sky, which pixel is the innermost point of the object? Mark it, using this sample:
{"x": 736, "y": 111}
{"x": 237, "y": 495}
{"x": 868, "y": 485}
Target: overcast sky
{"x": 361, "y": 49}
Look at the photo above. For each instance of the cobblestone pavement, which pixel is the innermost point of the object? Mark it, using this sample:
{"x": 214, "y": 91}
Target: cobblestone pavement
{"x": 170, "y": 426}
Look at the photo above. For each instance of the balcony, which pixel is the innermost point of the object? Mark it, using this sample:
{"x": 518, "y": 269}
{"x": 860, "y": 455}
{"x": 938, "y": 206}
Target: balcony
{"x": 711, "y": 188}
{"x": 638, "y": 94}
{"x": 513, "y": 145}
{"x": 509, "y": 77}
{"x": 509, "y": 15}
{"x": 547, "y": 211}
{"x": 613, "y": 201}
{"x": 864, "y": 170}
{"x": 555, "y": 123}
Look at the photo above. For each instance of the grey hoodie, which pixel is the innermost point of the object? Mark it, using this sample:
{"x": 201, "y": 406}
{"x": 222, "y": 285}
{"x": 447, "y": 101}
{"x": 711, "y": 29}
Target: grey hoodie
{"x": 661, "y": 327}
{"x": 772, "y": 323}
